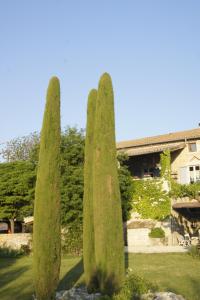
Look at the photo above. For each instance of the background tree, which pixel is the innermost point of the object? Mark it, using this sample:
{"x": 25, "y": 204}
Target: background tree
{"x": 46, "y": 230}
{"x": 109, "y": 245}
{"x": 20, "y": 148}
{"x": 17, "y": 182}
{"x": 72, "y": 160}
{"x": 126, "y": 186}
{"x": 88, "y": 214}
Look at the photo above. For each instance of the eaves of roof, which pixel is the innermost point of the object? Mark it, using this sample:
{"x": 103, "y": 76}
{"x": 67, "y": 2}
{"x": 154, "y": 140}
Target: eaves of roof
{"x": 153, "y": 149}
{"x": 181, "y": 136}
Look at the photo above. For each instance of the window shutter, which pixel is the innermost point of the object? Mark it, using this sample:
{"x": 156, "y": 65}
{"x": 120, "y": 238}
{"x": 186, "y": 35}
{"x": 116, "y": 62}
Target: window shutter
{"x": 184, "y": 175}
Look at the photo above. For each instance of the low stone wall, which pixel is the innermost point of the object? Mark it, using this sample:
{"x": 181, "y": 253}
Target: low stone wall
{"x": 140, "y": 237}
{"x": 138, "y": 232}
{"x": 15, "y": 240}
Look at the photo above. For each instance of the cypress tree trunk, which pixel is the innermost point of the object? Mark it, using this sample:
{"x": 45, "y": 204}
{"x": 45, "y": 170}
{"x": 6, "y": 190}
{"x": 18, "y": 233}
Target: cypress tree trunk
{"x": 88, "y": 222}
{"x": 12, "y": 225}
{"x": 108, "y": 228}
{"x": 46, "y": 234}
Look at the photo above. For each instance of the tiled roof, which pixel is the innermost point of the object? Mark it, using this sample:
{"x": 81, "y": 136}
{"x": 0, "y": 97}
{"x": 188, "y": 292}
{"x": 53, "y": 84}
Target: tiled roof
{"x": 161, "y": 139}
{"x": 153, "y": 149}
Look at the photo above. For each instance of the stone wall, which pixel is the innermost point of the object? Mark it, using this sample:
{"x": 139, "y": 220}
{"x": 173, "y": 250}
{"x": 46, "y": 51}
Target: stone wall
{"x": 138, "y": 237}
{"x": 138, "y": 233}
{"x": 15, "y": 240}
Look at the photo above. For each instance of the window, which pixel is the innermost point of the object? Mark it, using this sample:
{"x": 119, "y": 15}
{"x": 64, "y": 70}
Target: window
{"x": 194, "y": 174}
{"x": 192, "y": 147}
{"x": 197, "y": 171}
{"x": 191, "y": 174}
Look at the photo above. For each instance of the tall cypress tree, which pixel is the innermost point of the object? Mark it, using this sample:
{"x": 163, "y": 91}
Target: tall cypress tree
{"x": 46, "y": 234}
{"x": 88, "y": 221}
{"x": 108, "y": 227}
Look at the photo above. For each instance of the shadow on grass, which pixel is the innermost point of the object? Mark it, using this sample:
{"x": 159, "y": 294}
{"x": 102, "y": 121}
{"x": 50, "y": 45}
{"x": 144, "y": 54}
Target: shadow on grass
{"x": 9, "y": 275}
{"x": 17, "y": 293}
{"x": 6, "y": 262}
{"x": 71, "y": 277}
{"x": 75, "y": 273}
{"x": 12, "y": 275}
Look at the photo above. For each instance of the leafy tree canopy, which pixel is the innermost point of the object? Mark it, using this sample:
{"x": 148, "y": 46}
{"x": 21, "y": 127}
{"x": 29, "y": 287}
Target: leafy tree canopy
{"x": 126, "y": 186}
{"x": 72, "y": 161}
{"x": 17, "y": 181}
{"x": 20, "y": 148}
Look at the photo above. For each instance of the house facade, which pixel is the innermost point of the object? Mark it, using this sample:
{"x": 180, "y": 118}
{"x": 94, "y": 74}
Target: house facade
{"x": 144, "y": 163}
{"x": 184, "y": 147}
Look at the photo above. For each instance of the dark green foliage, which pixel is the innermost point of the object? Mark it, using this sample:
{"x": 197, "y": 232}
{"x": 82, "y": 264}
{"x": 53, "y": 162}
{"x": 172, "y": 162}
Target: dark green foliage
{"x": 157, "y": 232}
{"x": 109, "y": 249}
{"x": 126, "y": 187}
{"x": 17, "y": 181}
{"x": 88, "y": 216}
{"x": 72, "y": 160}
{"x": 46, "y": 231}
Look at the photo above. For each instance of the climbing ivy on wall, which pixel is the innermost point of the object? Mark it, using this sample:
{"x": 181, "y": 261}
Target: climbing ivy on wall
{"x": 165, "y": 162}
{"x": 149, "y": 199}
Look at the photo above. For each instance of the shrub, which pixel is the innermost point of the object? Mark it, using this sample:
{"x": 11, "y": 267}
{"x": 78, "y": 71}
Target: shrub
{"x": 157, "y": 232}
{"x": 7, "y": 252}
{"x": 194, "y": 251}
{"x": 134, "y": 286}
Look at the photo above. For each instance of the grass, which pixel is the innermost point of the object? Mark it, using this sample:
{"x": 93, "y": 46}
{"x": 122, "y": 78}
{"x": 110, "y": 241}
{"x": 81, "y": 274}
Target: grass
{"x": 16, "y": 280}
{"x": 179, "y": 273}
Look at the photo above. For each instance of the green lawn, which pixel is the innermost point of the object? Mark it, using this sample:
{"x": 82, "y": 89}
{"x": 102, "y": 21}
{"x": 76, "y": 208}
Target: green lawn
{"x": 175, "y": 272}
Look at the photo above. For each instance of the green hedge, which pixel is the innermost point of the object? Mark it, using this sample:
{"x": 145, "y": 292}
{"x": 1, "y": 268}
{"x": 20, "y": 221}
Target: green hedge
{"x": 184, "y": 190}
{"x": 157, "y": 232}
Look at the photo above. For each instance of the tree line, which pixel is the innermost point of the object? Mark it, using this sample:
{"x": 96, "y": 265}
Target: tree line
{"x": 18, "y": 178}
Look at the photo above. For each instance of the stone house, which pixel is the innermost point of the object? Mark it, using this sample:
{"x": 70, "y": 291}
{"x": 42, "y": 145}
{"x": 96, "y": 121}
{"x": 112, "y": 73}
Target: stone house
{"x": 144, "y": 155}
{"x": 144, "y": 163}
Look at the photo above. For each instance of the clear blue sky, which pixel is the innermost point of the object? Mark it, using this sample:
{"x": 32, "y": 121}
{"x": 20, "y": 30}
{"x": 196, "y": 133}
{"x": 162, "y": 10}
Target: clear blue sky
{"x": 150, "y": 48}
